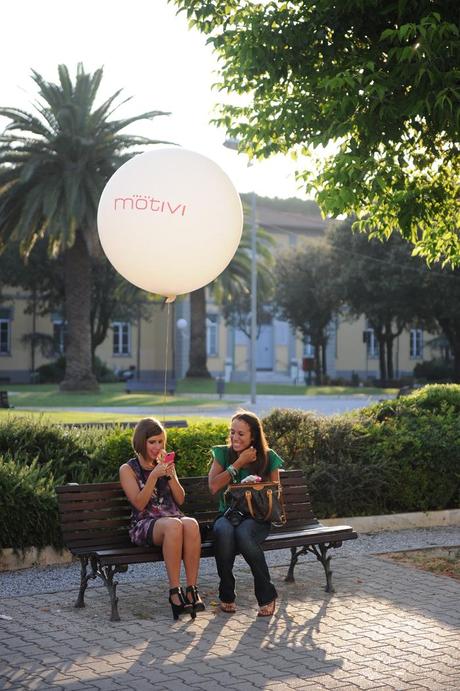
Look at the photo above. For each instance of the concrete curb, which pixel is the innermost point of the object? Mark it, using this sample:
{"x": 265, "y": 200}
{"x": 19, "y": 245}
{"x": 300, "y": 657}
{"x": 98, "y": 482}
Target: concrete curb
{"x": 398, "y": 521}
{"x": 13, "y": 560}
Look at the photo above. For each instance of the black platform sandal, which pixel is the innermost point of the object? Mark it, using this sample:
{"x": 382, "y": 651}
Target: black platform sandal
{"x": 197, "y": 602}
{"x": 183, "y": 607}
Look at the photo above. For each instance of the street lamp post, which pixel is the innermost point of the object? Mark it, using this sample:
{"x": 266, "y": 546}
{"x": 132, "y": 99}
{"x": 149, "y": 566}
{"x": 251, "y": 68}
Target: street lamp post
{"x": 233, "y": 144}
{"x": 253, "y": 372}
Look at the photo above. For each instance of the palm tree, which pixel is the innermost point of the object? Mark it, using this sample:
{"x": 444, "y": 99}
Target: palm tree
{"x": 234, "y": 281}
{"x": 54, "y": 164}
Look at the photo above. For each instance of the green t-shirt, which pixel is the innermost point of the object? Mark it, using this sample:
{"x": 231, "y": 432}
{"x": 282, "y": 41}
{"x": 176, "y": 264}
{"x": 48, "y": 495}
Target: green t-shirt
{"x": 220, "y": 454}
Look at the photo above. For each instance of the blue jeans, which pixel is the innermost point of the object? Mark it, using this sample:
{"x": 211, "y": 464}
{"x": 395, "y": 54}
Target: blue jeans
{"x": 245, "y": 539}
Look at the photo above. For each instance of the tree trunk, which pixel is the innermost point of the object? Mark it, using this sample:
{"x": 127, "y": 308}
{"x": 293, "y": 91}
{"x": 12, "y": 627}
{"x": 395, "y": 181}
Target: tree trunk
{"x": 318, "y": 362}
{"x": 382, "y": 360}
{"x": 34, "y": 331}
{"x": 451, "y": 331}
{"x": 457, "y": 365}
{"x": 197, "y": 356}
{"x": 78, "y": 373}
{"x": 389, "y": 347}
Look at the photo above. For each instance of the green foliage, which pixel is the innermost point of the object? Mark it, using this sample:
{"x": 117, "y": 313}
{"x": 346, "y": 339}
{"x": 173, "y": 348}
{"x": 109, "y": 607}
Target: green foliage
{"x": 37, "y": 456}
{"x": 361, "y": 266}
{"x": 28, "y": 510}
{"x": 51, "y": 372}
{"x": 307, "y": 296}
{"x": 66, "y": 450}
{"x": 192, "y": 446}
{"x": 397, "y": 456}
{"x": 54, "y": 164}
{"x": 434, "y": 371}
{"x": 377, "y": 79}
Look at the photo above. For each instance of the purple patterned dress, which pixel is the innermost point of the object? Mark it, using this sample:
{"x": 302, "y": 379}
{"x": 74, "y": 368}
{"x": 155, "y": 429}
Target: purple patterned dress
{"x": 160, "y": 505}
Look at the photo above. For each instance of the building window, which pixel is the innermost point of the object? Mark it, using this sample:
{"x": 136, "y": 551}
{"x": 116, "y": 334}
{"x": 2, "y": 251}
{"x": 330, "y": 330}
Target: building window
{"x": 59, "y": 336}
{"x": 121, "y": 338}
{"x": 416, "y": 343}
{"x": 372, "y": 343}
{"x": 308, "y": 347}
{"x": 211, "y": 335}
{"x": 5, "y": 336}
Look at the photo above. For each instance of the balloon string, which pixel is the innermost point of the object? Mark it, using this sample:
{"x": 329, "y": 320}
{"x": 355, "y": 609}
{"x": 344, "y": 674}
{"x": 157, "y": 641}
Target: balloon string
{"x": 168, "y": 321}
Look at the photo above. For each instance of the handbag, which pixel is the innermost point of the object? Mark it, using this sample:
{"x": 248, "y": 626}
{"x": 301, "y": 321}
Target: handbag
{"x": 263, "y": 501}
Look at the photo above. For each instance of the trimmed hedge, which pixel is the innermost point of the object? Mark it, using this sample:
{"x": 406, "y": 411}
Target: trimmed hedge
{"x": 397, "y": 456}
{"x": 28, "y": 507}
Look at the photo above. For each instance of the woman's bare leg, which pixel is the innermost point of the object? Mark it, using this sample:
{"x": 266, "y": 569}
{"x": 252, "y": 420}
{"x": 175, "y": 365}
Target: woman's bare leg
{"x": 191, "y": 549}
{"x": 168, "y": 533}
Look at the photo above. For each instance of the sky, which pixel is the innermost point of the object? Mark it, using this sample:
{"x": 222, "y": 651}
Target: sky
{"x": 147, "y": 49}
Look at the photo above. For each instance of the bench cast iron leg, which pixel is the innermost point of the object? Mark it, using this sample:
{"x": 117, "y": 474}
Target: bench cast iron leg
{"x": 294, "y": 559}
{"x": 107, "y": 573}
{"x": 326, "y": 562}
{"x": 84, "y": 578}
{"x": 320, "y": 552}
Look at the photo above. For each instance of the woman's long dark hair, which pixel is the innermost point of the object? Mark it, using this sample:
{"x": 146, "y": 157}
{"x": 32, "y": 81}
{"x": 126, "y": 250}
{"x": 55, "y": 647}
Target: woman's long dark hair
{"x": 258, "y": 441}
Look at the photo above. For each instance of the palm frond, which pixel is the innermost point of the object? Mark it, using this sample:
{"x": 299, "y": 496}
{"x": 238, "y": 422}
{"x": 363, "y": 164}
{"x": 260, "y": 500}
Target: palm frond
{"x": 56, "y": 160}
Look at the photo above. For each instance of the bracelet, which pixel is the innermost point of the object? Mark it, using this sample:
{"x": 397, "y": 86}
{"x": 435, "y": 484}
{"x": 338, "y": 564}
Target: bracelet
{"x": 233, "y": 471}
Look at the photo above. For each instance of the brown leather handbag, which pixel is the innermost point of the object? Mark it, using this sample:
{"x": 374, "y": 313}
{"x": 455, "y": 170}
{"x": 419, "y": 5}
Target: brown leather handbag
{"x": 263, "y": 501}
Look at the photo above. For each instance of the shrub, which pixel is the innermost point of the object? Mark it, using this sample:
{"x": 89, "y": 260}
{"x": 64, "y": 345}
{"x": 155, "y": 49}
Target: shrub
{"x": 53, "y": 372}
{"x": 399, "y": 455}
{"x": 434, "y": 371}
{"x": 28, "y": 510}
{"x": 66, "y": 450}
{"x": 192, "y": 446}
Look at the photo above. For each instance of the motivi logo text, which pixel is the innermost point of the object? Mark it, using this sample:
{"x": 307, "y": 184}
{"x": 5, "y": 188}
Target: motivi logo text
{"x": 143, "y": 202}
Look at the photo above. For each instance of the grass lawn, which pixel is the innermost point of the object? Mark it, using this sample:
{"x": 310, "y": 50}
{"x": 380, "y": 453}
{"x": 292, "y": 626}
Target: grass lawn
{"x": 189, "y": 394}
{"x": 110, "y": 395}
{"x": 444, "y": 561}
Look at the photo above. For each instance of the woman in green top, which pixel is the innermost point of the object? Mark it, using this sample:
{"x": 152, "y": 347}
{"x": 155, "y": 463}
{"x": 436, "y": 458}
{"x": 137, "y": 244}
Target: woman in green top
{"x": 247, "y": 453}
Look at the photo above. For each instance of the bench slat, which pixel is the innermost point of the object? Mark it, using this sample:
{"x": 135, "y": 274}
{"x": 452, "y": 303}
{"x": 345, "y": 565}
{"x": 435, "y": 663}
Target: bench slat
{"x": 98, "y": 515}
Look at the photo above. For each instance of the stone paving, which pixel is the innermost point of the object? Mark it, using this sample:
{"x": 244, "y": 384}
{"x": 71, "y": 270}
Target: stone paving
{"x": 387, "y": 627}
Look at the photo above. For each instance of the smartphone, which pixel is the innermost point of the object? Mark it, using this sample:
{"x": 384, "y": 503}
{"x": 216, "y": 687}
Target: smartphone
{"x": 169, "y": 458}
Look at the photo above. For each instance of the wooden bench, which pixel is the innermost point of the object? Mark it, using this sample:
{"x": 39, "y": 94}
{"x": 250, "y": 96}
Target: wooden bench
{"x": 95, "y": 520}
{"x": 151, "y": 385}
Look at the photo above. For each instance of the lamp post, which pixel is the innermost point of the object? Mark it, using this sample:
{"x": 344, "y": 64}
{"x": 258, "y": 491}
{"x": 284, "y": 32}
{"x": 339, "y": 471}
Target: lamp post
{"x": 233, "y": 144}
{"x": 181, "y": 325}
{"x": 253, "y": 296}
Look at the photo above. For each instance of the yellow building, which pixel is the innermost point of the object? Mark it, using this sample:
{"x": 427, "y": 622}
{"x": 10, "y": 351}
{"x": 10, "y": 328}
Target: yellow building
{"x": 141, "y": 347}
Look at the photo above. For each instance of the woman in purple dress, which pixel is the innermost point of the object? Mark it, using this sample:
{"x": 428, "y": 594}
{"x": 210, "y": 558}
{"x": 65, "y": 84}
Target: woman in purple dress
{"x": 152, "y": 487}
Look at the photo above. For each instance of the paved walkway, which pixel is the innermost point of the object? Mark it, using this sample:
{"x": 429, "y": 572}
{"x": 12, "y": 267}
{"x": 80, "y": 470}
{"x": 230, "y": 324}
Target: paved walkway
{"x": 225, "y": 407}
{"x": 386, "y": 627}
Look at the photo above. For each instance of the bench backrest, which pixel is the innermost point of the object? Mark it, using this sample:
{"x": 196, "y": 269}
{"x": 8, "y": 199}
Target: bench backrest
{"x": 98, "y": 514}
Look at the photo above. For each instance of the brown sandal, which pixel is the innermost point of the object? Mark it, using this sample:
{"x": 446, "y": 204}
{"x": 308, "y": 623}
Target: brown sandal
{"x": 228, "y": 607}
{"x": 267, "y": 610}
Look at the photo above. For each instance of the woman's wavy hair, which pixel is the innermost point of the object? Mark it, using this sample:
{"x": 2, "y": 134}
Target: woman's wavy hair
{"x": 146, "y": 428}
{"x": 258, "y": 441}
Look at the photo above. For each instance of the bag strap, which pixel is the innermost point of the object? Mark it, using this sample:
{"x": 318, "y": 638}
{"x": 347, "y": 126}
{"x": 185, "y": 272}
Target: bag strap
{"x": 248, "y": 496}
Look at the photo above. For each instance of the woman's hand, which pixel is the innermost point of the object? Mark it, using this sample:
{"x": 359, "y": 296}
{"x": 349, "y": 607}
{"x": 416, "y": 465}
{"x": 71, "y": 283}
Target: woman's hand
{"x": 161, "y": 470}
{"x": 246, "y": 457}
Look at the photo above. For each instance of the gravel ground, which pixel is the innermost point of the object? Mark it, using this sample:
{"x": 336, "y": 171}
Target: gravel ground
{"x": 50, "y": 579}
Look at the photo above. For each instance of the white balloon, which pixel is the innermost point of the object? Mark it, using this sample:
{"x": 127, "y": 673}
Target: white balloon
{"x": 170, "y": 221}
